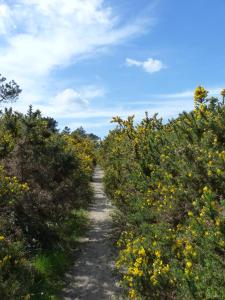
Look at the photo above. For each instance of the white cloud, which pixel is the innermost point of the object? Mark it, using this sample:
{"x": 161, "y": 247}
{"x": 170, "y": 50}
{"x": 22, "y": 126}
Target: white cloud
{"x": 5, "y": 19}
{"x": 72, "y": 100}
{"x": 66, "y": 103}
{"x": 150, "y": 65}
{"x": 46, "y": 34}
{"x": 70, "y": 97}
{"x": 39, "y": 37}
{"x": 131, "y": 62}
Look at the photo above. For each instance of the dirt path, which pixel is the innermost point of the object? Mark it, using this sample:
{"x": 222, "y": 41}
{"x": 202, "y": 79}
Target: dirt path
{"x": 91, "y": 277}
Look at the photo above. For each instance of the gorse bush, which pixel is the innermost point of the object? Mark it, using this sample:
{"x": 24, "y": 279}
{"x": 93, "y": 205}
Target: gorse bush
{"x": 168, "y": 183}
{"x": 44, "y": 184}
{"x": 14, "y": 266}
{"x": 53, "y": 173}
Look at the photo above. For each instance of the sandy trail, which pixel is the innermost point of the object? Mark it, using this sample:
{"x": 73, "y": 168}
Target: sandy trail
{"x": 91, "y": 277}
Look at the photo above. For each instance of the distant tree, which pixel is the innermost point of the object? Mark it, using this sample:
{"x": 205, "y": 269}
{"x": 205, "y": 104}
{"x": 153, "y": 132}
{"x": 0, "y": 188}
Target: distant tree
{"x": 51, "y": 124}
{"x": 30, "y": 111}
{"x": 93, "y": 137}
{"x": 9, "y": 91}
{"x": 80, "y": 131}
{"x": 66, "y": 130}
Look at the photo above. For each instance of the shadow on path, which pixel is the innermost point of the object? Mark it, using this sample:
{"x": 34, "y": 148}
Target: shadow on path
{"x": 91, "y": 277}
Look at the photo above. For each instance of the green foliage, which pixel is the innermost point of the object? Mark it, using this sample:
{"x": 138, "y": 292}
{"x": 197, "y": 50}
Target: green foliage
{"x": 15, "y": 270}
{"x": 168, "y": 182}
{"x": 44, "y": 187}
{"x": 49, "y": 267}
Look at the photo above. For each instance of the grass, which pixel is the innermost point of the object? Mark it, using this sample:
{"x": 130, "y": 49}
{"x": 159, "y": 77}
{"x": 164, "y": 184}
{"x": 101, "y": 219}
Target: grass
{"x": 50, "y": 266}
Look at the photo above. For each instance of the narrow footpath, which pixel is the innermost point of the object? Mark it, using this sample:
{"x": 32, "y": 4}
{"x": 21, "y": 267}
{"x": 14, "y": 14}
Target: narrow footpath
{"x": 92, "y": 277}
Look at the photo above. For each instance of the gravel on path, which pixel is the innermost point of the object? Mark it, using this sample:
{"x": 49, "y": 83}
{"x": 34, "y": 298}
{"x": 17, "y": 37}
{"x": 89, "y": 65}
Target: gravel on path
{"x": 91, "y": 277}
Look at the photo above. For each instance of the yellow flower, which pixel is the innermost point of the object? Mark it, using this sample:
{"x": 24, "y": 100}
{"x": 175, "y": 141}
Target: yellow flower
{"x": 7, "y": 257}
{"x": 210, "y": 163}
{"x": 202, "y": 213}
{"x": 221, "y": 243}
{"x": 179, "y": 242}
{"x": 2, "y": 238}
{"x": 205, "y": 189}
{"x": 223, "y": 92}
{"x": 218, "y": 172}
{"x": 200, "y": 94}
{"x": 190, "y": 214}
{"x": 188, "y": 264}
{"x": 132, "y": 294}
{"x": 25, "y": 187}
{"x": 166, "y": 268}
{"x": 138, "y": 261}
{"x": 153, "y": 279}
{"x": 188, "y": 247}
{"x": 137, "y": 272}
{"x": 217, "y": 222}
{"x": 157, "y": 253}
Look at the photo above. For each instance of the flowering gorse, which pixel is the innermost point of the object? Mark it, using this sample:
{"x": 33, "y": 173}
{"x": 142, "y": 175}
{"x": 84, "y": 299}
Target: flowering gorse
{"x": 168, "y": 184}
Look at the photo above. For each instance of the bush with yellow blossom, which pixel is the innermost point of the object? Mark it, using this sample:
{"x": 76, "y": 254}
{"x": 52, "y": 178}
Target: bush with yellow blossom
{"x": 168, "y": 184}
{"x": 44, "y": 187}
{"x": 15, "y": 270}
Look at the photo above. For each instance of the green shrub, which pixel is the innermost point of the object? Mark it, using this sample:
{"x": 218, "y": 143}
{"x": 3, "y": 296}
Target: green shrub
{"x": 167, "y": 180}
{"x": 44, "y": 185}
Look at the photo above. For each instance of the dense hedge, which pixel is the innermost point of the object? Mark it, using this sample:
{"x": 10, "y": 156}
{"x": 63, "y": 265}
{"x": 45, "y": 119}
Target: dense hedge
{"x": 44, "y": 182}
{"x": 168, "y": 183}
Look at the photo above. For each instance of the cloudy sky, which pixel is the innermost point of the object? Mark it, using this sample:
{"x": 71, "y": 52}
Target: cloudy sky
{"x": 85, "y": 61}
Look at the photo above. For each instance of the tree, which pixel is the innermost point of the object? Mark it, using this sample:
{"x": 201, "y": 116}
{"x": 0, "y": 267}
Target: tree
{"x": 51, "y": 124}
{"x": 9, "y": 91}
{"x": 66, "y": 130}
{"x": 80, "y": 131}
{"x": 93, "y": 137}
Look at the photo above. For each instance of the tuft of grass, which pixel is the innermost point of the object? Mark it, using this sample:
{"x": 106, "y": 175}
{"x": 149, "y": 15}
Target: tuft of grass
{"x": 51, "y": 266}
{"x": 75, "y": 226}
{"x": 42, "y": 264}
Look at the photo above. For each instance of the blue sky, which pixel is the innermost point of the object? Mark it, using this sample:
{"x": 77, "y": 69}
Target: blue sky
{"x": 85, "y": 61}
